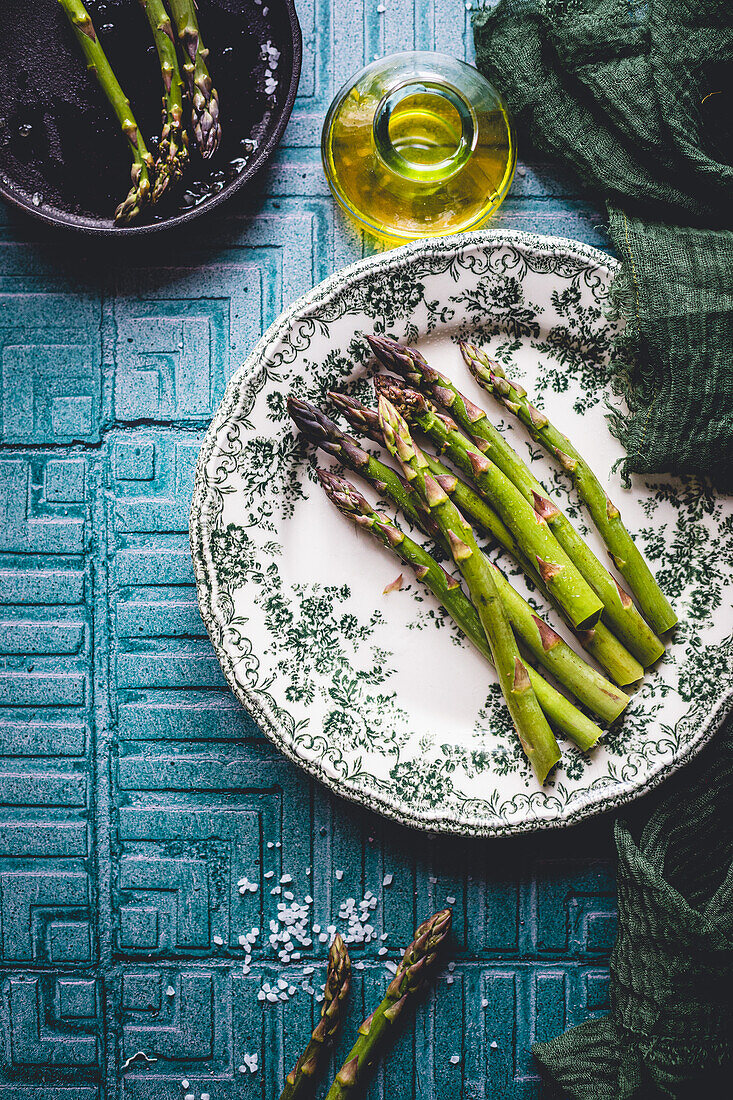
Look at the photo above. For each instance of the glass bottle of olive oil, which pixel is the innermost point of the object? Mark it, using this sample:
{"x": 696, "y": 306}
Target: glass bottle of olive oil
{"x": 417, "y": 145}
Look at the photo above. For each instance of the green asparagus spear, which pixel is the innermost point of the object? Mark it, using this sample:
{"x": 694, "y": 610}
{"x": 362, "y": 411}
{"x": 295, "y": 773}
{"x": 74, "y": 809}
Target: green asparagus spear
{"x": 619, "y": 612}
{"x": 173, "y": 150}
{"x": 204, "y": 98}
{"x": 413, "y": 973}
{"x": 300, "y": 1080}
{"x": 626, "y": 556}
{"x": 560, "y": 712}
{"x": 321, "y": 430}
{"x": 535, "y": 735}
{"x": 598, "y": 641}
{"x": 142, "y": 161}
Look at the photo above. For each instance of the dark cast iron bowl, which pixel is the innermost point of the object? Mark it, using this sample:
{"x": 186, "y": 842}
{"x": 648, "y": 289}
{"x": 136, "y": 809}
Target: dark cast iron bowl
{"x": 62, "y": 156}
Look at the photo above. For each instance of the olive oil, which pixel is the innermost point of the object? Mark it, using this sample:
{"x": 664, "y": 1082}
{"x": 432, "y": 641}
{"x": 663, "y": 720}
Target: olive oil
{"x": 418, "y": 145}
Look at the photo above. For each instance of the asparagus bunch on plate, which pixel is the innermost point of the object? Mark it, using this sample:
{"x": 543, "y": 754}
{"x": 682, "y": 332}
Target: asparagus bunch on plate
{"x": 543, "y": 643}
{"x": 501, "y": 498}
{"x": 538, "y": 637}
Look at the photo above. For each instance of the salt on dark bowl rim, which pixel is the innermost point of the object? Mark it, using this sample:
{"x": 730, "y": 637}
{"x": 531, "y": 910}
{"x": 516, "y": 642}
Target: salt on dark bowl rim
{"x": 92, "y": 228}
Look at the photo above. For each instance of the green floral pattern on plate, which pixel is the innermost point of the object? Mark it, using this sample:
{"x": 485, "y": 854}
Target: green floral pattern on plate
{"x": 378, "y": 695}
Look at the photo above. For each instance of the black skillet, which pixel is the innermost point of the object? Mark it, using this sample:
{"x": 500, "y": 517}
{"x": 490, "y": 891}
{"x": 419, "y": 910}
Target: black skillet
{"x": 62, "y": 158}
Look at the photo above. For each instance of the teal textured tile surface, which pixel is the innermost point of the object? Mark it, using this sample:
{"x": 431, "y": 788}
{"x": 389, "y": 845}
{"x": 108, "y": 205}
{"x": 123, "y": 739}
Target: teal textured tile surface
{"x": 135, "y": 794}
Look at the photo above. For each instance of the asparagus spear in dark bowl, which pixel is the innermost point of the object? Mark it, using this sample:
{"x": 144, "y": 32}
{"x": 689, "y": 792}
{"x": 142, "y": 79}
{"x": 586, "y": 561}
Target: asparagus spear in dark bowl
{"x": 204, "y": 97}
{"x": 173, "y": 150}
{"x": 141, "y": 172}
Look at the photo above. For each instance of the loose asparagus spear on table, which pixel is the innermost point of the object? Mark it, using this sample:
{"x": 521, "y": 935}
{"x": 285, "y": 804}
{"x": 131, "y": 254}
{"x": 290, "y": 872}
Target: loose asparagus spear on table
{"x": 299, "y": 1082}
{"x": 416, "y": 968}
{"x": 619, "y": 612}
{"x": 417, "y": 409}
{"x": 204, "y": 98}
{"x": 627, "y": 557}
{"x": 560, "y": 712}
{"x": 535, "y": 735}
{"x": 588, "y": 686}
{"x": 142, "y": 161}
{"x": 173, "y": 151}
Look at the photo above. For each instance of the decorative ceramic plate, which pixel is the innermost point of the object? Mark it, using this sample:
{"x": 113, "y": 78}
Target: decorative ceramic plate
{"x": 378, "y": 696}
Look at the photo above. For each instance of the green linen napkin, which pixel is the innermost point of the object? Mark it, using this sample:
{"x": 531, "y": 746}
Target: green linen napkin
{"x": 670, "y": 1031}
{"x": 638, "y": 99}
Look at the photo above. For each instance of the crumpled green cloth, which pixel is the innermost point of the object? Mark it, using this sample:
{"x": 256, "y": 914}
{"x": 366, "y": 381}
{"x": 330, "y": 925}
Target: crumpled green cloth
{"x": 670, "y": 1031}
{"x": 638, "y": 98}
